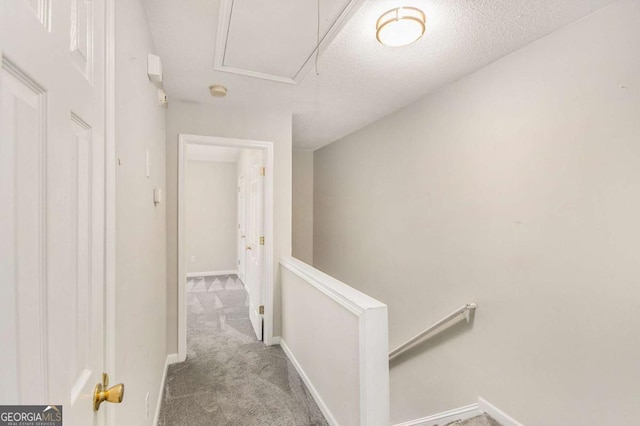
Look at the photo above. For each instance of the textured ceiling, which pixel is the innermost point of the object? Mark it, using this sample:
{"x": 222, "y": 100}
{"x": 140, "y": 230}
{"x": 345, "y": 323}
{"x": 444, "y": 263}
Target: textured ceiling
{"x": 359, "y": 80}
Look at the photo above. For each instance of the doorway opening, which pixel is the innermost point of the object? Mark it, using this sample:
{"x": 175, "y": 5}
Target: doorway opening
{"x": 225, "y": 232}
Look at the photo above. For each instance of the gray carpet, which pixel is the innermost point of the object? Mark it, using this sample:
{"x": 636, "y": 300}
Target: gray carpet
{"x": 229, "y": 377}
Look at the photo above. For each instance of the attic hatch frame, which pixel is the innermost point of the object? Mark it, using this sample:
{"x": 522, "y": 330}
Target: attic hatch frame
{"x": 224, "y": 24}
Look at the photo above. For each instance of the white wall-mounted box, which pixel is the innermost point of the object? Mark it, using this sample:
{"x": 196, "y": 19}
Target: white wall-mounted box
{"x": 154, "y": 68}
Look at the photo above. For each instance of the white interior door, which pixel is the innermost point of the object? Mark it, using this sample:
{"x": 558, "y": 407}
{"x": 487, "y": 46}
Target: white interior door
{"x": 52, "y": 213}
{"x": 242, "y": 228}
{"x": 255, "y": 239}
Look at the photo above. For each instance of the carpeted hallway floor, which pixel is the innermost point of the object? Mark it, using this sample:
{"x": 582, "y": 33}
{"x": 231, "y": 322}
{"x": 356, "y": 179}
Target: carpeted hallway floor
{"x": 229, "y": 377}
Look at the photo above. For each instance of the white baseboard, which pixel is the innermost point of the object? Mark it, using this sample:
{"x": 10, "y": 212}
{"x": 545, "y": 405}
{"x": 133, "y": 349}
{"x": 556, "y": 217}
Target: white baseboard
{"x": 171, "y": 359}
{"x": 500, "y": 416}
{"x": 275, "y": 340}
{"x": 211, "y": 273}
{"x": 445, "y": 417}
{"x": 316, "y": 396}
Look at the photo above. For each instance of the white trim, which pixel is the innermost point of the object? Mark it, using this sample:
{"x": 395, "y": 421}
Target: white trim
{"x": 211, "y": 273}
{"x": 182, "y": 308}
{"x": 500, "y": 416}
{"x": 214, "y": 160}
{"x": 312, "y": 390}
{"x": 373, "y": 349}
{"x": 171, "y": 359}
{"x": 183, "y": 141}
{"x": 276, "y": 340}
{"x": 373, "y": 343}
{"x": 224, "y": 19}
{"x": 463, "y": 413}
{"x": 254, "y": 74}
{"x": 110, "y": 200}
{"x": 445, "y": 417}
{"x": 348, "y": 297}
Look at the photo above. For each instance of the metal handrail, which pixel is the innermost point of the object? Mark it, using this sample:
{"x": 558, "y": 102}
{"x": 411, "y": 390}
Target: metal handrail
{"x": 436, "y": 328}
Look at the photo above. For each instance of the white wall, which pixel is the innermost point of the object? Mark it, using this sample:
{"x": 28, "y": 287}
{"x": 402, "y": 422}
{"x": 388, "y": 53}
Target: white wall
{"x": 211, "y": 216}
{"x": 302, "y": 210}
{"x": 517, "y": 187}
{"x": 273, "y": 126}
{"x": 323, "y": 338}
{"x": 140, "y": 225}
{"x": 332, "y": 334}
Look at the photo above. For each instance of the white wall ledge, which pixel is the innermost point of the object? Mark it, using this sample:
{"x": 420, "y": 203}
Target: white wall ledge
{"x": 347, "y": 296}
{"x": 330, "y": 326}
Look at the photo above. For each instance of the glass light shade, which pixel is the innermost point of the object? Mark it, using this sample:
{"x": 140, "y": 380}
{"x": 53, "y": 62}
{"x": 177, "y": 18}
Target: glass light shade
{"x": 400, "y": 26}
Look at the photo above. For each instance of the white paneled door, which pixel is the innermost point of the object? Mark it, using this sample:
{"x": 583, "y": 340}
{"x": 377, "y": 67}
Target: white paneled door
{"x": 242, "y": 227}
{"x": 52, "y": 213}
{"x": 255, "y": 239}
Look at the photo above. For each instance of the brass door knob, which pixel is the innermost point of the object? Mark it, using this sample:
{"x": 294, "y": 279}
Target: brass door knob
{"x": 247, "y": 248}
{"x": 103, "y": 392}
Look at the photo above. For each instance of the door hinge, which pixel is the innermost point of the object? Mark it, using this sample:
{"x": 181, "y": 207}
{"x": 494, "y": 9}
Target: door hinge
{"x": 262, "y": 171}
{"x": 261, "y": 241}
{"x": 261, "y": 310}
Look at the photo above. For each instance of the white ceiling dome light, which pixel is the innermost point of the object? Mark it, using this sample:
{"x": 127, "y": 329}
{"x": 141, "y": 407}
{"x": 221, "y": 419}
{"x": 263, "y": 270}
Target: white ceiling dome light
{"x": 400, "y": 26}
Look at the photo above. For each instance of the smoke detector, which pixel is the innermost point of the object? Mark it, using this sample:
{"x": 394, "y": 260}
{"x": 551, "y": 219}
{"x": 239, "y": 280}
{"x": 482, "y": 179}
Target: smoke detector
{"x": 218, "y": 91}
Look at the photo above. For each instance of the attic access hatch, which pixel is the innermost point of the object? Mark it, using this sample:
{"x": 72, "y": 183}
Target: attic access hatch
{"x": 276, "y": 40}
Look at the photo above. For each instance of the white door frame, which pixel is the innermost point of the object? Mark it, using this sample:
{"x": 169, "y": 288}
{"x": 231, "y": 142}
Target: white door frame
{"x": 110, "y": 199}
{"x": 267, "y": 288}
